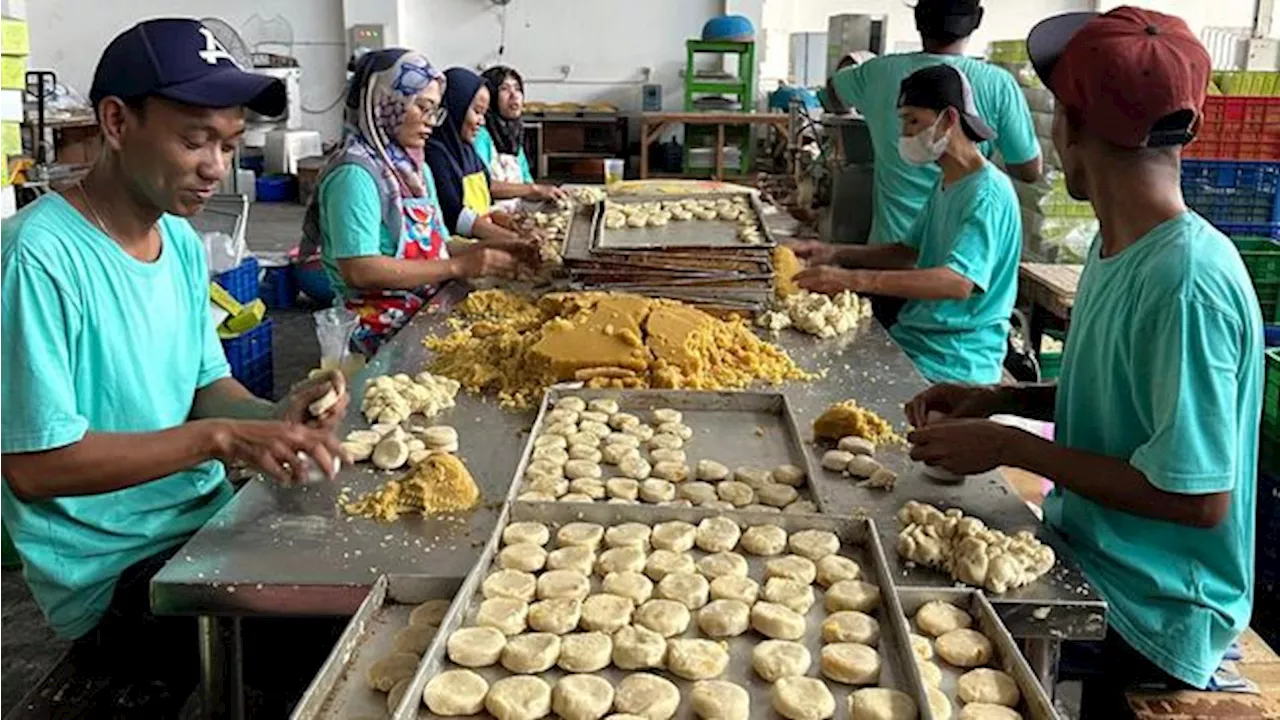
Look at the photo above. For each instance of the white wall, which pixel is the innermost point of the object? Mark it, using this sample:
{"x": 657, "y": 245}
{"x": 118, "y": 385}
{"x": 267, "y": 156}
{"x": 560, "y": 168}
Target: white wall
{"x": 69, "y": 35}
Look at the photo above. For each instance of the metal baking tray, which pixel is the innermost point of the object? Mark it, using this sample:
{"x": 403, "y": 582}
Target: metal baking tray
{"x": 340, "y": 690}
{"x": 859, "y": 542}
{"x": 677, "y": 234}
{"x": 735, "y": 428}
{"x": 1035, "y": 704}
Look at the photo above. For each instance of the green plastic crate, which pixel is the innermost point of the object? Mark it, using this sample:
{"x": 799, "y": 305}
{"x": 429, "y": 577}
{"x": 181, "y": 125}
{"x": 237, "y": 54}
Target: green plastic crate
{"x": 1262, "y": 259}
{"x": 1271, "y": 390}
{"x": 1008, "y": 51}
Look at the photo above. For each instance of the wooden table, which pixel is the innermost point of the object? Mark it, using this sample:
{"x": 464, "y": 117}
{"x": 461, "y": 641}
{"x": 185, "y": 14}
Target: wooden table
{"x": 1050, "y": 290}
{"x": 653, "y": 123}
{"x": 1257, "y": 663}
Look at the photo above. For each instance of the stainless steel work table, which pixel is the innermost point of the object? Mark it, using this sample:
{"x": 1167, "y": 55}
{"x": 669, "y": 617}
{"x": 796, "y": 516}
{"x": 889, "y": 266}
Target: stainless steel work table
{"x": 292, "y": 551}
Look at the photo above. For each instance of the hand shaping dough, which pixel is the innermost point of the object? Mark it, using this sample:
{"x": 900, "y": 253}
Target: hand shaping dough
{"x": 791, "y": 594}
{"x": 388, "y": 671}
{"x": 531, "y": 653}
{"x": 774, "y": 659}
{"x": 580, "y": 533}
{"x": 507, "y": 615}
{"x": 637, "y": 647}
{"x": 964, "y": 648}
{"x": 697, "y": 659}
{"x": 720, "y": 700}
{"x": 525, "y": 557}
{"x": 814, "y": 544}
{"x": 881, "y": 704}
{"x": 724, "y": 618}
{"x": 717, "y": 534}
{"x": 581, "y": 697}
{"x": 585, "y": 652}
{"x": 513, "y": 584}
{"x": 628, "y": 584}
{"x": 563, "y": 583}
{"x": 646, "y": 695}
{"x": 572, "y": 557}
{"x": 764, "y": 540}
{"x": 475, "y": 647}
{"x": 731, "y": 587}
{"x": 851, "y": 626}
{"x": 803, "y": 698}
{"x": 721, "y": 564}
{"x": 938, "y": 617}
{"x": 850, "y": 663}
{"x": 985, "y": 685}
{"x": 987, "y": 711}
{"x": 793, "y": 567}
{"x": 519, "y": 697}
{"x": 777, "y": 621}
{"x": 606, "y": 613}
{"x": 834, "y": 568}
{"x": 675, "y": 535}
{"x": 456, "y": 692}
{"x": 533, "y": 533}
{"x": 664, "y": 562}
{"x": 852, "y": 595}
{"x": 666, "y": 617}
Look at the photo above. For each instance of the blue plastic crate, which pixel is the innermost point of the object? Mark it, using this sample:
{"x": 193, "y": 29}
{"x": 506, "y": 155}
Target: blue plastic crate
{"x": 1271, "y": 230}
{"x": 249, "y": 355}
{"x": 1236, "y": 192}
{"x": 279, "y": 287}
{"x": 242, "y": 281}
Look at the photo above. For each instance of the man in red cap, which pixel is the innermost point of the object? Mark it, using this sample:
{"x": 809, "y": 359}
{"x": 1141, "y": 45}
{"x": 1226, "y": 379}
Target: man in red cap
{"x": 1157, "y": 408}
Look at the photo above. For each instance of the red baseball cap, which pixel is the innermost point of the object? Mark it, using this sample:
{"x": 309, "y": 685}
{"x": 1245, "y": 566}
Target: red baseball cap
{"x": 1137, "y": 78}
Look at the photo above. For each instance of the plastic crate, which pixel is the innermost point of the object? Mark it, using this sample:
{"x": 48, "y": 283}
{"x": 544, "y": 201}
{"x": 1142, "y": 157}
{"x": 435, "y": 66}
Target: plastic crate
{"x": 1238, "y": 128}
{"x": 1233, "y": 191}
{"x": 1008, "y": 51}
{"x": 279, "y": 288}
{"x": 1271, "y": 392}
{"x": 241, "y": 282}
{"x": 1262, "y": 259}
{"x": 249, "y": 355}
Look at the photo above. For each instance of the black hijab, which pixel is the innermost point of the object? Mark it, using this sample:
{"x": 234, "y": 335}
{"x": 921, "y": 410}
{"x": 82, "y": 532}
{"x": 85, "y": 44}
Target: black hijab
{"x": 508, "y": 134}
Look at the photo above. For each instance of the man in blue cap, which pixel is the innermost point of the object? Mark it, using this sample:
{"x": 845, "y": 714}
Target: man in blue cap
{"x": 118, "y": 405}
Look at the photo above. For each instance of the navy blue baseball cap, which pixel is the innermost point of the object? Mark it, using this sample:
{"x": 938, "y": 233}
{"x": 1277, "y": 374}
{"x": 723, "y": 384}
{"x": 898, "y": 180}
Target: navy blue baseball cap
{"x": 180, "y": 59}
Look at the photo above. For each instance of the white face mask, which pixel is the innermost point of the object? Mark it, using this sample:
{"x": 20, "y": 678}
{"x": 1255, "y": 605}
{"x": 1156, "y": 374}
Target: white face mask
{"x": 923, "y": 148}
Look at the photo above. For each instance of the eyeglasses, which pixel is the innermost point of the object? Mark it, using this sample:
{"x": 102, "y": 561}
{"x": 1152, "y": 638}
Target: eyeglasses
{"x": 435, "y": 116}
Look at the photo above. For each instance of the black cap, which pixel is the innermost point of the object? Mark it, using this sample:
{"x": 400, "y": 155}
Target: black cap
{"x": 939, "y": 87}
{"x": 179, "y": 59}
{"x": 948, "y": 18}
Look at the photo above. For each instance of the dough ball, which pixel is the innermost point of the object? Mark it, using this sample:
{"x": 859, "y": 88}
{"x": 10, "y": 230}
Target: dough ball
{"x": 621, "y": 438}
{"x": 455, "y": 692}
{"x": 851, "y": 626}
{"x": 680, "y": 430}
{"x": 881, "y": 704}
{"x": 580, "y": 533}
{"x": 720, "y": 700}
{"x": 585, "y": 652}
{"x": 697, "y": 659}
{"x": 836, "y": 460}
{"x": 581, "y": 697}
{"x": 718, "y": 504}
{"x": 584, "y": 439}
{"x": 721, "y": 564}
{"x": 628, "y": 584}
{"x": 657, "y": 491}
{"x": 802, "y": 698}
{"x": 733, "y": 587}
{"x": 642, "y": 432}
{"x": 606, "y": 613}
{"x": 628, "y": 535}
{"x": 666, "y": 415}
{"x": 590, "y": 487}
{"x": 575, "y": 469}
{"x": 621, "y": 560}
{"x": 594, "y": 416}
{"x": 664, "y": 616}
{"x": 724, "y": 618}
{"x": 930, "y": 673}
{"x": 665, "y": 441}
{"x": 667, "y": 455}
{"x": 571, "y": 402}
{"x": 737, "y": 493}
{"x": 791, "y": 594}
{"x": 752, "y": 477}
{"x": 711, "y": 470}
{"x": 551, "y": 454}
{"x": 985, "y": 685}
{"x": 814, "y": 544}
{"x": 475, "y": 647}
{"x": 987, "y": 711}
{"x": 557, "y": 615}
{"x": 696, "y": 492}
{"x": 964, "y": 648}
{"x": 532, "y": 533}
{"x": 856, "y": 445}
{"x": 688, "y": 589}
{"x": 430, "y": 613}
{"x": 672, "y": 471}
{"x": 622, "y": 488}
{"x": 386, "y": 672}
{"x": 563, "y": 584}
{"x": 852, "y": 595}
{"x": 938, "y": 617}
{"x": 550, "y": 441}
{"x": 939, "y": 703}
{"x": 635, "y": 467}
{"x": 608, "y": 406}
{"x": 504, "y": 614}
{"x": 623, "y": 420}
{"x": 573, "y": 557}
{"x": 551, "y": 485}
{"x": 575, "y": 497}
{"x": 413, "y": 639}
{"x": 717, "y": 534}
{"x": 764, "y": 540}
{"x": 596, "y": 427}
{"x": 616, "y": 454}
{"x": 646, "y": 695}
{"x": 788, "y": 475}
{"x": 775, "y": 659}
{"x": 862, "y": 466}
{"x": 850, "y": 663}
{"x": 531, "y": 653}
{"x": 563, "y": 429}
{"x": 637, "y": 647}
{"x": 792, "y": 567}
{"x": 834, "y": 568}
{"x": 514, "y": 584}
{"x": 519, "y": 697}
{"x": 777, "y": 495}
{"x": 921, "y": 647}
{"x": 675, "y": 535}
{"x": 664, "y": 562}
{"x": 801, "y": 507}
{"x": 562, "y": 416}
{"x": 777, "y": 621}
{"x": 525, "y": 557}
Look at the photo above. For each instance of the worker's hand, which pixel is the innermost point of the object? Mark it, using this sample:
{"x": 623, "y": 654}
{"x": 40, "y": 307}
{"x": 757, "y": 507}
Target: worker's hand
{"x": 829, "y": 280}
{"x": 296, "y": 407}
{"x": 503, "y": 219}
{"x": 550, "y": 192}
{"x": 965, "y": 447}
{"x": 952, "y": 401}
{"x": 484, "y": 260}
{"x": 814, "y": 252}
{"x": 280, "y": 449}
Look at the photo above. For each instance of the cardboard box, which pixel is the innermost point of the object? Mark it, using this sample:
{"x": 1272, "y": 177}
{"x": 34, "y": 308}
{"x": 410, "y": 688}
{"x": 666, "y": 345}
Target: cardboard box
{"x": 14, "y": 39}
{"x": 11, "y": 106}
{"x": 13, "y": 72}
{"x": 11, "y": 138}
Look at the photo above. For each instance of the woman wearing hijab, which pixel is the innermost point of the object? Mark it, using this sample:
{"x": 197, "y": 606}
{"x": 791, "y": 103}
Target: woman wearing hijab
{"x": 500, "y": 141}
{"x": 375, "y": 217}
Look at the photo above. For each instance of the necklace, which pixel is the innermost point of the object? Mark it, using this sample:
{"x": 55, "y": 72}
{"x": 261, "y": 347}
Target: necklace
{"x": 97, "y": 217}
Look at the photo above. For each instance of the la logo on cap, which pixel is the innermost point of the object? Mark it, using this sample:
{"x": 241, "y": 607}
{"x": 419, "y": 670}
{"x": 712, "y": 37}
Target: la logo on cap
{"x": 213, "y": 50}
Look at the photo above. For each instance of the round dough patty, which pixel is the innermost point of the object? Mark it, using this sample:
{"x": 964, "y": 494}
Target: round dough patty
{"x": 851, "y": 626}
{"x": 724, "y": 618}
{"x": 852, "y": 595}
{"x": 387, "y": 671}
{"x": 585, "y": 652}
{"x": 987, "y": 711}
{"x": 557, "y": 615}
{"x": 456, "y": 692}
{"x": 792, "y": 567}
{"x": 647, "y": 695}
{"x": 475, "y": 647}
{"x": 580, "y": 533}
{"x": 985, "y": 685}
{"x": 814, "y": 544}
{"x": 514, "y": 584}
{"x": 717, "y": 534}
{"x": 921, "y": 647}
{"x": 732, "y": 587}
{"x": 430, "y": 613}
{"x": 531, "y": 653}
{"x": 632, "y": 585}
{"x": 737, "y": 493}
{"x": 507, "y": 615}
{"x": 721, "y": 564}
{"x": 764, "y": 540}
{"x": 622, "y": 488}
{"x": 533, "y": 533}
{"x": 720, "y": 700}
{"x": 850, "y": 663}
{"x": 776, "y": 621}
{"x": 665, "y": 617}
{"x": 964, "y": 648}
{"x": 572, "y": 557}
{"x": 581, "y": 697}
{"x": 525, "y": 557}
{"x": 802, "y": 698}
{"x": 628, "y": 559}
{"x": 881, "y": 704}
{"x": 606, "y": 613}
{"x": 563, "y": 583}
{"x": 689, "y": 589}
{"x": 938, "y": 617}
{"x": 791, "y": 594}
{"x": 774, "y": 659}
{"x": 637, "y": 647}
{"x": 675, "y": 535}
{"x": 664, "y": 562}
{"x": 696, "y": 658}
{"x": 628, "y": 535}
{"x": 519, "y": 697}
{"x": 834, "y": 568}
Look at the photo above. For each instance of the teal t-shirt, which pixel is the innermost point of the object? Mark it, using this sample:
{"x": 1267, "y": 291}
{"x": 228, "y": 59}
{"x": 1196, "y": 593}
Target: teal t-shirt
{"x": 974, "y": 228}
{"x": 1164, "y": 367}
{"x": 94, "y": 340}
{"x": 900, "y": 189}
{"x": 488, "y": 152}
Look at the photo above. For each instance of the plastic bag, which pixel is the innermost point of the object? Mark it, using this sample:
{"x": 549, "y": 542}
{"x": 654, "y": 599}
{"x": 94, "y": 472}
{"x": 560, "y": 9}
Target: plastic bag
{"x": 222, "y": 252}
